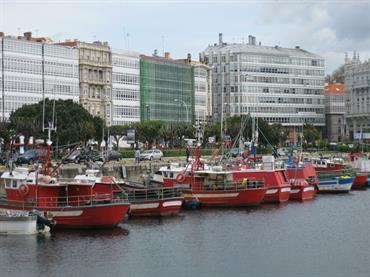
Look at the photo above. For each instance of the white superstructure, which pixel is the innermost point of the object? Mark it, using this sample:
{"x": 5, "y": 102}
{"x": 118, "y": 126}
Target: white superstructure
{"x": 125, "y": 87}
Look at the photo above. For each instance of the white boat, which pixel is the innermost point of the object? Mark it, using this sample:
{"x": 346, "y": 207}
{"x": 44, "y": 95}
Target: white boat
{"x": 336, "y": 184}
{"x": 22, "y": 223}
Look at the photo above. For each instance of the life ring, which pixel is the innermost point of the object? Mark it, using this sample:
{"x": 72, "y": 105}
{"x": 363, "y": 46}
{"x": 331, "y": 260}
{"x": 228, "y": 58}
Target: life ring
{"x": 180, "y": 178}
{"x": 23, "y": 190}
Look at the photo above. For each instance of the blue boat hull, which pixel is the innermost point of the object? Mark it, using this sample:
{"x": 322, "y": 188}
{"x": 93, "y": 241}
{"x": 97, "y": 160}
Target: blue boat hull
{"x": 336, "y": 184}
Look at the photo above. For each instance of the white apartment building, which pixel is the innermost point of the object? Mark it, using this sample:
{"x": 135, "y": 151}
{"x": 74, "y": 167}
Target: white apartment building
{"x": 202, "y": 93}
{"x": 30, "y": 69}
{"x": 357, "y": 86}
{"x": 280, "y": 85}
{"x": 125, "y": 87}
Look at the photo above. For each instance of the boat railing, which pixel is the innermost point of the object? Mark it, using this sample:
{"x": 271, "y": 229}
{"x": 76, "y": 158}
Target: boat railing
{"x": 95, "y": 199}
{"x": 242, "y": 184}
{"x": 148, "y": 194}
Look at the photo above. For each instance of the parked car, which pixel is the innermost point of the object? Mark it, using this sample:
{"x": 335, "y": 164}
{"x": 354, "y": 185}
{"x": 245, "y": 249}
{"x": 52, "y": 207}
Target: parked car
{"x": 28, "y": 157}
{"x": 112, "y": 156}
{"x": 151, "y": 155}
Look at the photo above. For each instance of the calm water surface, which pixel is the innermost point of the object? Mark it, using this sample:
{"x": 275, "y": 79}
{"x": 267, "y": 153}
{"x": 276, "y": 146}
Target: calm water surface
{"x": 329, "y": 236}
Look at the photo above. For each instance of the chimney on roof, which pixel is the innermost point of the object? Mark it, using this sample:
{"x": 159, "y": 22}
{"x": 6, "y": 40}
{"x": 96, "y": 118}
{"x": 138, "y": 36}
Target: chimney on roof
{"x": 155, "y": 54}
{"x": 250, "y": 39}
{"x": 220, "y": 42}
{"x": 297, "y": 47}
{"x": 167, "y": 55}
{"x": 2, "y": 34}
{"x": 189, "y": 57}
{"x": 28, "y": 35}
{"x": 259, "y": 43}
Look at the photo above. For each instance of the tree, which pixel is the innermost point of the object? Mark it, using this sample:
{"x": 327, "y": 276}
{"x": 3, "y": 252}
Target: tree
{"x": 149, "y": 130}
{"x": 74, "y": 123}
{"x": 310, "y": 134}
{"x": 337, "y": 76}
{"x": 7, "y": 134}
{"x": 118, "y": 132}
{"x": 212, "y": 130}
{"x": 167, "y": 132}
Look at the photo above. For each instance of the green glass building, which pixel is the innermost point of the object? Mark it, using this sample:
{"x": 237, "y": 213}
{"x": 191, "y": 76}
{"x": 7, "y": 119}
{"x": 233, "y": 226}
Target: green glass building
{"x": 166, "y": 90}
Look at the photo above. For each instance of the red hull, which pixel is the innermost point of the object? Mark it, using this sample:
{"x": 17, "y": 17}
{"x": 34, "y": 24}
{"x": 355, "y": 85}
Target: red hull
{"x": 278, "y": 188}
{"x": 330, "y": 169}
{"x": 360, "y": 181}
{"x": 277, "y": 194}
{"x": 302, "y": 193}
{"x": 249, "y": 197}
{"x": 156, "y": 208}
{"x": 84, "y": 216}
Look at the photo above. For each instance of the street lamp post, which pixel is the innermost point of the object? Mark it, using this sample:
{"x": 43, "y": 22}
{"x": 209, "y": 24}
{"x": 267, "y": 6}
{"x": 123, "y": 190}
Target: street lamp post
{"x": 186, "y": 108}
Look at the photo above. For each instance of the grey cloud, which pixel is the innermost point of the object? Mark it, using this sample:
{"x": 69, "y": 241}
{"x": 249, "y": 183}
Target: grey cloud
{"x": 352, "y": 21}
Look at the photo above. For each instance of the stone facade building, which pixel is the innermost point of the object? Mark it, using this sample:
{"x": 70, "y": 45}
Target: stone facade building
{"x": 357, "y": 83}
{"x": 95, "y": 62}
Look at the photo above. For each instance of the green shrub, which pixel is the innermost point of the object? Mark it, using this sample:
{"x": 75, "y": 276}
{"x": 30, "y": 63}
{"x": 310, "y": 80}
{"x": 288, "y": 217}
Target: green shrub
{"x": 129, "y": 153}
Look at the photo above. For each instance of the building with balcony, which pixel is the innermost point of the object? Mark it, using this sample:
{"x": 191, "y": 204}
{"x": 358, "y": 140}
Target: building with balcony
{"x": 202, "y": 90}
{"x": 166, "y": 89}
{"x": 277, "y": 84}
{"x": 357, "y": 84}
{"x": 125, "y": 87}
{"x": 31, "y": 68}
{"x": 95, "y": 63}
{"x": 335, "y": 112}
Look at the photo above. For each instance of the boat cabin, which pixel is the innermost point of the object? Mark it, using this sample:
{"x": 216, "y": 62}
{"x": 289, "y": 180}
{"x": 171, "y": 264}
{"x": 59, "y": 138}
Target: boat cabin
{"x": 28, "y": 188}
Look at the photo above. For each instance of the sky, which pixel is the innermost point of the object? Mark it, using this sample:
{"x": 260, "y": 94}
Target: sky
{"x": 328, "y": 28}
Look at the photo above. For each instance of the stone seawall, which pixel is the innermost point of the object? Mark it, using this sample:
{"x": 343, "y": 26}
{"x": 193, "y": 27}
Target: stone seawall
{"x": 113, "y": 169}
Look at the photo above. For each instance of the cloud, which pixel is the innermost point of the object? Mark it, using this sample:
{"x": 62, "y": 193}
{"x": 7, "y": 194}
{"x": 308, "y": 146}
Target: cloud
{"x": 327, "y": 28}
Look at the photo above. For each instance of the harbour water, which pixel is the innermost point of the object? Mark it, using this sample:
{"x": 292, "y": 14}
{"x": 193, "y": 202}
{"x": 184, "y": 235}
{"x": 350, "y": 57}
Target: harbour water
{"x": 329, "y": 236}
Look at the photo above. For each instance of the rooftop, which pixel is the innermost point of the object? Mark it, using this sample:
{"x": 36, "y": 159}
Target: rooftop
{"x": 253, "y": 48}
{"x": 334, "y": 89}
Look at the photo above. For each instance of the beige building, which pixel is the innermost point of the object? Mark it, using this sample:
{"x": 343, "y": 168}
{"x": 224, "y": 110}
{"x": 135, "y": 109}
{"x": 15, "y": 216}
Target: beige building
{"x": 95, "y": 63}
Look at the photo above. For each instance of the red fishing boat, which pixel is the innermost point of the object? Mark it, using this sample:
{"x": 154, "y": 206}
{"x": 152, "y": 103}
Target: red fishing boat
{"x": 152, "y": 201}
{"x": 323, "y": 165}
{"x": 277, "y": 185}
{"x": 304, "y": 181}
{"x": 301, "y": 190}
{"x": 275, "y": 180}
{"x": 84, "y": 202}
{"x": 361, "y": 166}
{"x": 213, "y": 186}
